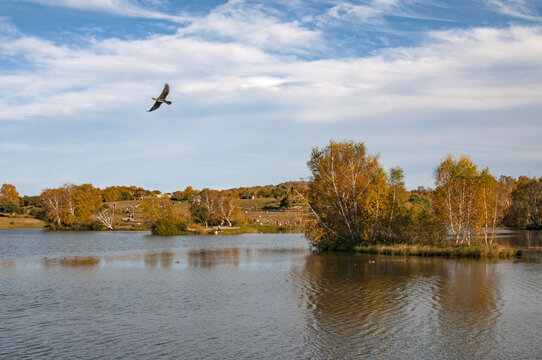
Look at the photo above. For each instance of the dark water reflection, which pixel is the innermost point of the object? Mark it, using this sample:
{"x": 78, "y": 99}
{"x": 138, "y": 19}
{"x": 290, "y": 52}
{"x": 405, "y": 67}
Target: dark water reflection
{"x": 130, "y": 295}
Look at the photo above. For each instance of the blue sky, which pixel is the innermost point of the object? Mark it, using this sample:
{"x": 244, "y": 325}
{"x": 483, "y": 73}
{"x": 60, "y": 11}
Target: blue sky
{"x": 256, "y": 84}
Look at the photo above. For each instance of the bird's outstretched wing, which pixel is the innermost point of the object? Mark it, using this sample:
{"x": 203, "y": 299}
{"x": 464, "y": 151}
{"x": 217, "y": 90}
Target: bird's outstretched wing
{"x": 155, "y": 106}
{"x": 164, "y": 92}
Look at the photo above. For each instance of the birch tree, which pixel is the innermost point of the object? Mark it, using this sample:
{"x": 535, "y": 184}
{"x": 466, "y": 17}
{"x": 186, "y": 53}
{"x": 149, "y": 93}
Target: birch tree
{"x": 494, "y": 200}
{"x": 106, "y": 216}
{"x": 227, "y": 208}
{"x": 71, "y": 205}
{"x": 346, "y": 195}
{"x": 471, "y": 202}
{"x": 54, "y": 203}
{"x": 455, "y": 195}
{"x": 396, "y": 196}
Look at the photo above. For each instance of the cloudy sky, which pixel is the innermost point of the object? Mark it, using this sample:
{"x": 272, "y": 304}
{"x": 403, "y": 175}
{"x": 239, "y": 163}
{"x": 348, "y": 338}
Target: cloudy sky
{"x": 255, "y": 85}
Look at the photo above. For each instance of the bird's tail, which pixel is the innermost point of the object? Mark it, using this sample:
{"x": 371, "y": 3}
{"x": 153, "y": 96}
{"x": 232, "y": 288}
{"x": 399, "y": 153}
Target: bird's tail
{"x": 167, "y": 102}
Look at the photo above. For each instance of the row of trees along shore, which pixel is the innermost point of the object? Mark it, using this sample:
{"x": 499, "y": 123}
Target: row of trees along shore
{"x": 349, "y": 201}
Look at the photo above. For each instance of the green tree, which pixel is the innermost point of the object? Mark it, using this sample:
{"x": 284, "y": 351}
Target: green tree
{"x": 30, "y": 201}
{"x": 126, "y": 195}
{"x": 200, "y": 214}
{"x": 416, "y": 222}
{"x": 11, "y": 208}
{"x": 278, "y": 192}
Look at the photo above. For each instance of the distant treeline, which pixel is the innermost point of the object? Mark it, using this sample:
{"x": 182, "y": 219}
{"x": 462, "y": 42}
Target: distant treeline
{"x": 83, "y": 207}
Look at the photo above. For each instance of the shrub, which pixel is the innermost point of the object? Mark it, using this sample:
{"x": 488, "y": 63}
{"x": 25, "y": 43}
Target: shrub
{"x": 11, "y": 208}
{"x": 201, "y": 215}
{"x": 169, "y": 226}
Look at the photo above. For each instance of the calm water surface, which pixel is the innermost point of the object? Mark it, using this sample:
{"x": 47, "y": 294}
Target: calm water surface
{"x": 135, "y": 296}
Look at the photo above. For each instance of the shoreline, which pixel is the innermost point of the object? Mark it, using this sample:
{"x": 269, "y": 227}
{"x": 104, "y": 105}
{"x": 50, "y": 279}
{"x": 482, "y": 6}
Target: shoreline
{"x": 446, "y": 250}
{"x": 494, "y": 251}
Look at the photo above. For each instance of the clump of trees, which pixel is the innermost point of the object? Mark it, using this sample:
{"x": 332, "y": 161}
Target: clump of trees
{"x": 526, "y": 203}
{"x": 9, "y": 200}
{"x": 71, "y": 206}
{"x": 165, "y": 220}
{"x": 83, "y": 207}
{"x": 213, "y": 207}
{"x": 469, "y": 201}
{"x": 352, "y": 201}
{"x": 9, "y": 194}
{"x": 118, "y": 193}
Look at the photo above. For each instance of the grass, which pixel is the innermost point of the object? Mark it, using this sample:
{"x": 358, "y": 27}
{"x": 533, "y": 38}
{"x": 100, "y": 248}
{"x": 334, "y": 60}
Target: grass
{"x": 258, "y": 204}
{"x": 265, "y": 229}
{"x": 19, "y": 222}
{"x": 443, "y": 249}
{"x": 245, "y": 229}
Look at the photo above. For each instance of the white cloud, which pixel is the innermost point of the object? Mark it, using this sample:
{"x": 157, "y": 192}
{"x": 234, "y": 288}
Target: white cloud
{"x": 476, "y": 69}
{"x": 126, "y": 8}
{"x": 237, "y": 76}
{"x": 355, "y": 12}
{"x": 516, "y": 8}
{"x": 238, "y": 22}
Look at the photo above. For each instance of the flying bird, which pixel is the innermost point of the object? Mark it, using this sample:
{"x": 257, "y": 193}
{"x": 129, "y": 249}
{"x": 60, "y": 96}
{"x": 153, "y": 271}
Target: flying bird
{"x": 161, "y": 99}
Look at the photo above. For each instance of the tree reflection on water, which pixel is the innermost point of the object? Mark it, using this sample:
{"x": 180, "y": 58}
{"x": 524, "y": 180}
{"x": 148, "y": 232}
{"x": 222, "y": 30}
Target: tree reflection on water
{"x": 370, "y": 306}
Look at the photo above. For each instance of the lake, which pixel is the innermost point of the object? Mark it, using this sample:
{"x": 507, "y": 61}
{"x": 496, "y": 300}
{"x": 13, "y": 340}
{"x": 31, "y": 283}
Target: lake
{"x": 132, "y": 295}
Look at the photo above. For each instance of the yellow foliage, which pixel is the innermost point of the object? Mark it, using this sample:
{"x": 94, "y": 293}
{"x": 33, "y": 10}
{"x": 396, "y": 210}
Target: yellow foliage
{"x": 9, "y": 194}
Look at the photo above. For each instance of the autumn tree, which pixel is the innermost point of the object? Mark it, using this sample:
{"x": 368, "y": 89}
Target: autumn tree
{"x": 71, "y": 205}
{"x": 9, "y": 194}
{"x": 187, "y": 194}
{"x": 416, "y": 222}
{"x": 346, "y": 196}
{"x": 55, "y": 204}
{"x": 397, "y": 195}
{"x": 227, "y": 207}
{"x": 106, "y": 215}
{"x": 526, "y": 204}
{"x": 207, "y": 199}
{"x": 164, "y": 217}
{"x": 85, "y": 199}
{"x": 455, "y": 195}
{"x": 469, "y": 201}
{"x": 111, "y": 193}
{"x": 493, "y": 200}
{"x": 215, "y": 207}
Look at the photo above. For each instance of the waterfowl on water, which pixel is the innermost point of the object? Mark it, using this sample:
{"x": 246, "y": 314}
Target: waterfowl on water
{"x": 161, "y": 99}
